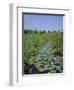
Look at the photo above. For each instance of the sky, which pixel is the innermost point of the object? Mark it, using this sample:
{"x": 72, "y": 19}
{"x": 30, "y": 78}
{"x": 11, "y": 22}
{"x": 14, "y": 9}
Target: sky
{"x": 43, "y": 22}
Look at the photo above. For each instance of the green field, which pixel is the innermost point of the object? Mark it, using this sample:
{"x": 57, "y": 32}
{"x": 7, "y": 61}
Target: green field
{"x": 43, "y": 52}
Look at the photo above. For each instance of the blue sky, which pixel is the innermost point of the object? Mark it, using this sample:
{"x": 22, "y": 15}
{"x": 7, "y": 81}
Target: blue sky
{"x": 43, "y": 22}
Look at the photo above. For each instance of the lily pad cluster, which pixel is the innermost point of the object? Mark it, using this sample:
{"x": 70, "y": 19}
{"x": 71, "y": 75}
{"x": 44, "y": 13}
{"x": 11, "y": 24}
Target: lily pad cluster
{"x": 45, "y": 62}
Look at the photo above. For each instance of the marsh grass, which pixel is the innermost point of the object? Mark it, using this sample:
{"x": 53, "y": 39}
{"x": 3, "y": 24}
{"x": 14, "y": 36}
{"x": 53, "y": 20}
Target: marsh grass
{"x": 51, "y": 62}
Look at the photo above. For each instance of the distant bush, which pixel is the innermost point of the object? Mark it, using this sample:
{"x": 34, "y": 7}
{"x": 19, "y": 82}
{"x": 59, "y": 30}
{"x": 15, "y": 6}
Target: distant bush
{"x": 44, "y": 31}
{"x": 48, "y": 31}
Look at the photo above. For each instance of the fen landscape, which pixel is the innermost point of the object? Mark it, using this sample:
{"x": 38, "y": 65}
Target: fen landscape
{"x": 43, "y": 49}
{"x": 43, "y": 52}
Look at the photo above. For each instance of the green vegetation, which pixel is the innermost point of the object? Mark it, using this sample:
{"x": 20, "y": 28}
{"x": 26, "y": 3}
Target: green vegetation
{"x": 43, "y": 52}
